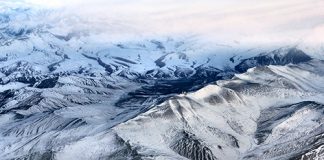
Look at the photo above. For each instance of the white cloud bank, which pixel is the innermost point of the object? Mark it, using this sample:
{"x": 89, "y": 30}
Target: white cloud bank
{"x": 252, "y": 21}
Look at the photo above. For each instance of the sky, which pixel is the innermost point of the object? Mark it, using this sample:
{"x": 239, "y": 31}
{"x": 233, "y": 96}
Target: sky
{"x": 249, "y": 21}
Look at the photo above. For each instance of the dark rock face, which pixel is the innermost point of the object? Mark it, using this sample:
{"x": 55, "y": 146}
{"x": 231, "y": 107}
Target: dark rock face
{"x": 305, "y": 146}
{"x": 190, "y": 147}
{"x": 5, "y": 96}
{"x": 275, "y": 57}
{"x": 159, "y": 62}
{"x": 274, "y": 115}
{"x": 107, "y": 67}
{"x": 47, "y": 83}
{"x": 124, "y": 60}
{"x": 24, "y": 104}
{"x": 295, "y": 56}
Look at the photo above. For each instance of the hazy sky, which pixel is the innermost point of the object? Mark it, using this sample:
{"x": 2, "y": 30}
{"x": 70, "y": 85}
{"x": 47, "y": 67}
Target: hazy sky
{"x": 254, "y": 21}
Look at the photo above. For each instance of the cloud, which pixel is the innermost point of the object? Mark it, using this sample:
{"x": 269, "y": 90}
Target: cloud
{"x": 252, "y": 21}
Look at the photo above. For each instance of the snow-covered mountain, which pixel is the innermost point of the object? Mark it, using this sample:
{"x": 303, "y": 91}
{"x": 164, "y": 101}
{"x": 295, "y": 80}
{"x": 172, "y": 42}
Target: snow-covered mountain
{"x": 70, "y": 95}
{"x": 273, "y": 112}
{"x": 269, "y": 112}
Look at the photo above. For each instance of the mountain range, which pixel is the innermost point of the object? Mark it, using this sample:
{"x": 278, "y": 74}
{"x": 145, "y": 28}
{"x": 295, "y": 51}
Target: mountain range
{"x": 67, "y": 97}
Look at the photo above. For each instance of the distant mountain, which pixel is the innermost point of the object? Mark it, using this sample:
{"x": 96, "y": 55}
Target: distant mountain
{"x": 280, "y": 56}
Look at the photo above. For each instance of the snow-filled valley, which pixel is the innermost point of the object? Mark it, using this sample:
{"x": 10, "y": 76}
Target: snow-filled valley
{"x": 68, "y": 95}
